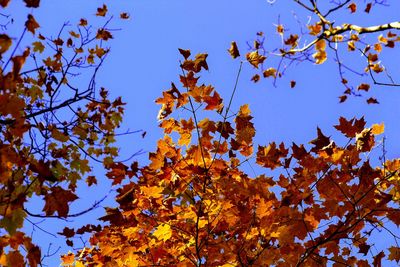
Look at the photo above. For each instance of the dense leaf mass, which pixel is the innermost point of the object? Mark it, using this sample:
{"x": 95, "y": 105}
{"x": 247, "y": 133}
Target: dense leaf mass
{"x": 194, "y": 203}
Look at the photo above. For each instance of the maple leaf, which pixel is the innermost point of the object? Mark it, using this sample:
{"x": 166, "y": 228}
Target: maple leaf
{"x": 32, "y": 3}
{"x": 378, "y": 259}
{"x": 67, "y": 232}
{"x": 31, "y": 24}
{"x": 213, "y": 102}
{"x": 269, "y": 157}
{"x": 269, "y": 72}
{"x": 255, "y": 59}
{"x": 394, "y": 254}
{"x": 350, "y": 127}
{"x": 4, "y": 3}
{"x": 102, "y": 11}
{"x": 233, "y": 50}
{"x": 163, "y": 232}
{"x": 58, "y": 201}
{"x": 372, "y": 100}
{"x": 184, "y": 53}
{"x": 352, "y": 7}
{"x": 244, "y": 127}
{"x": 320, "y": 142}
{"x": 377, "y": 129}
{"x": 124, "y": 15}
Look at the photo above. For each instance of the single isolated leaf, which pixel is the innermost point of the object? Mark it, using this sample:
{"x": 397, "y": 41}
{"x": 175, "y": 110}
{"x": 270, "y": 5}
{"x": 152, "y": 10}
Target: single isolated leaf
{"x": 350, "y": 127}
{"x": 255, "y": 59}
{"x": 269, "y": 72}
{"x": 372, "y": 100}
{"x": 32, "y": 3}
{"x": 352, "y": 7}
{"x": 394, "y": 254}
{"x": 5, "y": 43}
{"x": 124, "y": 15}
{"x": 102, "y": 11}
{"x": 58, "y": 201}
{"x": 378, "y": 128}
{"x": 31, "y": 24}
{"x": 38, "y": 47}
{"x": 233, "y": 50}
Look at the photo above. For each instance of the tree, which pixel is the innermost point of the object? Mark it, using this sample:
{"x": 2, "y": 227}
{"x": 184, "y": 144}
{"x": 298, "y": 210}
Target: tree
{"x": 331, "y": 33}
{"x": 51, "y": 130}
{"x": 195, "y": 204}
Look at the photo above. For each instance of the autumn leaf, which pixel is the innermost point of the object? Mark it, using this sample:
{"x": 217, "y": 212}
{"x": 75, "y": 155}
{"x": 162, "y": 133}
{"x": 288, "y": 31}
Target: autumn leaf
{"x": 255, "y": 78}
{"x": 233, "y": 50}
{"x": 372, "y": 100}
{"x": 352, "y": 7}
{"x": 269, "y": 72}
{"x": 58, "y": 201}
{"x": 320, "y": 142}
{"x": 102, "y": 11}
{"x": 163, "y": 232}
{"x": 38, "y": 47}
{"x": 31, "y": 24}
{"x": 255, "y": 59}
{"x": 184, "y": 53}
{"x": 394, "y": 254}
{"x": 213, "y": 102}
{"x": 124, "y": 15}
{"x": 377, "y": 129}
{"x": 32, "y": 3}
{"x": 350, "y": 127}
{"x": 5, "y": 43}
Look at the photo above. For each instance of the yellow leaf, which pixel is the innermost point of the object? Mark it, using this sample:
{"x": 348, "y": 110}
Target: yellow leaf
{"x": 378, "y": 128}
{"x": 163, "y": 232}
{"x": 255, "y": 59}
{"x": 153, "y": 191}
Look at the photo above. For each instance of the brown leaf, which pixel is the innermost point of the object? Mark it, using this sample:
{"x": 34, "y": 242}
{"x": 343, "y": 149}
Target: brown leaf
{"x": 102, "y": 11}
{"x": 32, "y": 3}
{"x": 233, "y": 50}
{"x": 31, "y": 24}
{"x": 364, "y": 87}
{"x": 352, "y": 7}
{"x": 350, "y": 127}
{"x": 5, "y": 43}
{"x": 185, "y": 53}
{"x": 67, "y": 232}
{"x": 19, "y": 61}
{"x": 255, "y": 78}
{"x": 372, "y": 100}
{"x": 4, "y": 3}
{"x": 368, "y": 8}
{"x": 292, "y": 84}
{"x": 58, "y": 201}
{"x": 378, "y": 259}
{"x": 124, "y": 15}
{"x": 364, "y": 248}
{"x": 254, "y": 58}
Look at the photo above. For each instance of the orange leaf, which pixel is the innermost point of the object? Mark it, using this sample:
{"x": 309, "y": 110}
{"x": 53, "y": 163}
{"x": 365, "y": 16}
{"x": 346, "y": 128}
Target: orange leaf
{"x": 255, "y": 59}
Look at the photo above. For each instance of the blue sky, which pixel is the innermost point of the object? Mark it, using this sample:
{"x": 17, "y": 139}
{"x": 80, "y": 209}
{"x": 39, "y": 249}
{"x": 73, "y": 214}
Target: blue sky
{"x": 144, "y": 60}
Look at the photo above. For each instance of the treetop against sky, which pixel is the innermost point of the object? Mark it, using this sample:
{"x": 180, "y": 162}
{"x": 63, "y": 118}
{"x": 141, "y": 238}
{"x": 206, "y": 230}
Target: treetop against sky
{"x": 272, "y": 139}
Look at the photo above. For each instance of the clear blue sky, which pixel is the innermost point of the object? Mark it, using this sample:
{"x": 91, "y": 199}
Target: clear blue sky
{"x": 144, "y": 60}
